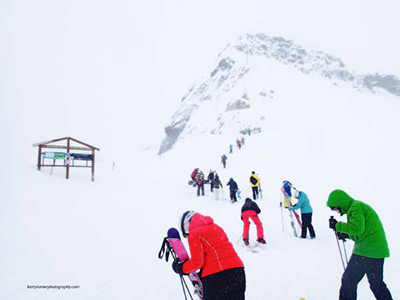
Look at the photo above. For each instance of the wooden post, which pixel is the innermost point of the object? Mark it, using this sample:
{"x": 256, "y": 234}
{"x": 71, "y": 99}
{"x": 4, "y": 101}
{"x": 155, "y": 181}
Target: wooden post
{"x": 39, "y": 158}
{"x": 92, "y": 164}
{"x": 67, "y": 157}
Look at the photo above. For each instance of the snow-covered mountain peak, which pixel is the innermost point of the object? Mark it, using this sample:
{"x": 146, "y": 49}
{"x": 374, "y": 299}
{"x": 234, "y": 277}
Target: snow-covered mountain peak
{"x": 233, "y": 96}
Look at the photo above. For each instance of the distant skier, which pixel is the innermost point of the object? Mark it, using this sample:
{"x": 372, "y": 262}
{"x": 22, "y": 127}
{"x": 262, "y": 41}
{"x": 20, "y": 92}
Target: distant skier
{"x": 194, "y": 173}
{"x": 370, "y": 246}
{"x": 216, "y": 186}
{"x": 242, "y": 140}
{"x": 255, "y": 183}
{"x": 223, "y": 160}
{"x": 200, "y": 183}
{"x": 238, "y": 143}
{"x": 230, "y": 148}
{"x": 233, "y": 188}
{"x": 222, "y": 270}
{"x": 210, "y": 179}
{"x": 251, "y": 210}
{"x": 306, "y": 214}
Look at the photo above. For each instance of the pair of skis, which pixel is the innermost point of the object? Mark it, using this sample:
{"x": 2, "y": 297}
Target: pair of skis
{"x": 291, "y": 213}
{"x": 172, "y": 245}
{"x": 260, "y": 189}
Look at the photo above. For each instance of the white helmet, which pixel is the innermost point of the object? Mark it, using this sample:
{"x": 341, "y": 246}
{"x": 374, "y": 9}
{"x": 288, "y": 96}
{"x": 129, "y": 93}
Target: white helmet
{"x": 185, "y": 220}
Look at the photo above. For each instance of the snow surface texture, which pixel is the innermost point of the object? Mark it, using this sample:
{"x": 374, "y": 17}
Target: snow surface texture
{"x": 105, "y": 236}
{"x": 243, "y": 78}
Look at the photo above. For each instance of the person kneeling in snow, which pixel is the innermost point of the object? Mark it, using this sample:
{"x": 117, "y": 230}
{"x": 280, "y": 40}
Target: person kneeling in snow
{"x": 222, "y": 270}
{"x": 251, "y": 210}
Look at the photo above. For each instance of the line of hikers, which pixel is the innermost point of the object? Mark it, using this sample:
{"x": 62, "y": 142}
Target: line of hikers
{"x": 239, "y": 144}
{"x": 198, "y": 179}
{"x": 222, "y": 270}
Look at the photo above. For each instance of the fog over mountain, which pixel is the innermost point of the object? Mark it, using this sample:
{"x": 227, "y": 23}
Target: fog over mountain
{"x": 227, "y": 87}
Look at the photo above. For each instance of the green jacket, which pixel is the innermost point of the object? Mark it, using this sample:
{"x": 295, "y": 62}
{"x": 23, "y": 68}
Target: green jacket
{"x": 363, "y": 225}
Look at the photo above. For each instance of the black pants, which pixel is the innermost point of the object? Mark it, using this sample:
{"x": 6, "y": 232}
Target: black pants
{"x": 306, "y": 223}
{"x": 356, "y": 269}
{"x": 226, "y": 285}
{"x": 224, "y": 163}
{"x": 255, "y": 192}
{"x": 233, "y": 196}
{"x": 200, "y": 187}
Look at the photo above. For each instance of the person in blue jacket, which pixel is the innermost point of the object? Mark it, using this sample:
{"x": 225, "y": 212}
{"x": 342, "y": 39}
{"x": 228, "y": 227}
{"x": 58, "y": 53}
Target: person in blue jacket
{"x": 223, "y": 160}
{"x": 287, "y": 187}
{"x": 306, "y": 213}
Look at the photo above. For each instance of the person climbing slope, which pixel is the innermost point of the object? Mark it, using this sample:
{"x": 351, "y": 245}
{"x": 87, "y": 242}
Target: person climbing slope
{"x": 222, "y": 270}
{"x": 250, "y": 210}
{"x": 255, "y": 182}
{"x": 364, "y": 227}
{"x": 233, "y": 188}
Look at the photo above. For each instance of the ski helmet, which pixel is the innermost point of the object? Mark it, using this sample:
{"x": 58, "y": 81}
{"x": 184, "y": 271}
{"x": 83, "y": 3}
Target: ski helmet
{"x": 297, "y": 194}
{"x": 185, "y": 220}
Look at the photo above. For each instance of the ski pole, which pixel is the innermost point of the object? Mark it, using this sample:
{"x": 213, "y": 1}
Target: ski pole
{"x": 340, "y": 250}
{"x": 183, "y": 288}
{"x": 184, "y": 285}
{"x": 239, "y": 238}
{"x": 283, "y": 228}
{"x": 345, "y": 252}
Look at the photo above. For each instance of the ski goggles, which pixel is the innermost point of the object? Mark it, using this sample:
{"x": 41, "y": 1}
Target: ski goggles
{"x": 336, "y": 208}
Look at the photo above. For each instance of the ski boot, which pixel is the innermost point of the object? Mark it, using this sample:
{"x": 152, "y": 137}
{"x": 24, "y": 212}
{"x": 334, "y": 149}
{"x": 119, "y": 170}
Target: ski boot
{"x": 261, "y": 241}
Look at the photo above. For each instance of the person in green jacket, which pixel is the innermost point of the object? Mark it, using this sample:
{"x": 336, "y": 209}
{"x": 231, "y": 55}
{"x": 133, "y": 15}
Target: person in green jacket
{"x": 370, "y": 248}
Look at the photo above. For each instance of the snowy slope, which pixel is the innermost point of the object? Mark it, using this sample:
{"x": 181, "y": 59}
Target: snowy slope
{"x": 232, "y": 96}
{"x": 105, "y": 236}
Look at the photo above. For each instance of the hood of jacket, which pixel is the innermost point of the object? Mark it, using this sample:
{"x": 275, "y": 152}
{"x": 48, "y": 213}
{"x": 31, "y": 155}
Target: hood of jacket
{"x": 199, "y": 220}
{"x": 339, "y": 198}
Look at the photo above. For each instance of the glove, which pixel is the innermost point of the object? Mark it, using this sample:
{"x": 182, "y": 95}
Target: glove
{"x": 332, "y": 223}
{"x": 342, "y": 236}
{"x": 177, "y": 267}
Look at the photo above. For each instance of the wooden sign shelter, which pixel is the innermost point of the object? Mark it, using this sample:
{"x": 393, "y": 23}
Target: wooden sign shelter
{"x": 68, "y": 158}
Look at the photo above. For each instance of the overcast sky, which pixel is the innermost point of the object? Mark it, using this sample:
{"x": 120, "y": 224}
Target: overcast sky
{"x": 144, "y": 55}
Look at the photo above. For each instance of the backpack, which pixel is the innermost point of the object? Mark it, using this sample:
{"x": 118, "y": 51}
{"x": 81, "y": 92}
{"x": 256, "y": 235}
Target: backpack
{"x": 253, "y": 180}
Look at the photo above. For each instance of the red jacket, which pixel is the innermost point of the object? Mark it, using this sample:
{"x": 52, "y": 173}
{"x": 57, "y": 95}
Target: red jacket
{"x": 210, "y": 248}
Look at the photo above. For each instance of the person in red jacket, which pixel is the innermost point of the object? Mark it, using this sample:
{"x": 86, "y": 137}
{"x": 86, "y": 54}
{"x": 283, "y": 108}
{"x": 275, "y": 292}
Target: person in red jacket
{"x": 222, "y": 270}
